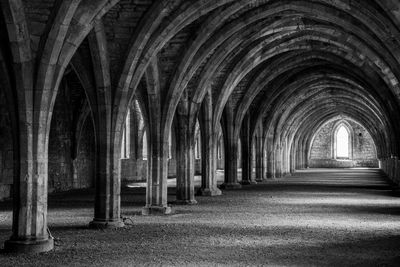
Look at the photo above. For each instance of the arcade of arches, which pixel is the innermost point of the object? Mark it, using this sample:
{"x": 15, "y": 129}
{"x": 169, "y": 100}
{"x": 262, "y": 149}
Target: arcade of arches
{"x": 101, "y": 94}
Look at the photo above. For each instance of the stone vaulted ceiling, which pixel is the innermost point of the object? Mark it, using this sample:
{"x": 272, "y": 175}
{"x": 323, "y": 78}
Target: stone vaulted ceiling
{"x": 291, "y": 65}
{"x": 278, "y": 68}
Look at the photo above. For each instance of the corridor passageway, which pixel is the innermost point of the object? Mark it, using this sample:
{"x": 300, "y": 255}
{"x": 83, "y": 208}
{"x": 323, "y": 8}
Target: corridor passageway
{"x": 322, "y": 217}
{"x": 96, "y": 95}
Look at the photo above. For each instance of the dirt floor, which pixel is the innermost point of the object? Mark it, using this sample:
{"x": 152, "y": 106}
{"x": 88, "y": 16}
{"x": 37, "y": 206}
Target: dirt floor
{"x": 316, "y": 218}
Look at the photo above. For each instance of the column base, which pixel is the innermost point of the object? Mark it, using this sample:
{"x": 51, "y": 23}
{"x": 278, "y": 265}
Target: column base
{"x": 247, "y": 182}
{"x": 207, "y": 192}
{"x": 230, "y": 186}
{"x": 185, "y": 202}
{"x": 28, "y": 246}
{"x": 156, "y": 210}
{"x": 105, "y": 224}
{"x": 260, "y": 180}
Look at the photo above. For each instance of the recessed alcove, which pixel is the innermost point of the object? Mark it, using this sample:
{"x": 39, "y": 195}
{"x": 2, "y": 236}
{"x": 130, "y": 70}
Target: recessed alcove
{"x": 342, "y": 143}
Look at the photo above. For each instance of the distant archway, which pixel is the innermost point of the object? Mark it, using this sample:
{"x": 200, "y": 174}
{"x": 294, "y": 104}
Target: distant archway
{"x": 342, "y": 142}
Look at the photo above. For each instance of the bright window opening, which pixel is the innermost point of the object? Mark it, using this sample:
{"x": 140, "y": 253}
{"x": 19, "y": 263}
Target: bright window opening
{"x": 342, "y": 143}
{"x": 197, "y": 150}
{"x": 126, "y": 137}
{"x": 144, "y": 147}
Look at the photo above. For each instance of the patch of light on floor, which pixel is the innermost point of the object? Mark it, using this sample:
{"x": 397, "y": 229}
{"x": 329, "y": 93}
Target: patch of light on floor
{"x": 342, "y": 201}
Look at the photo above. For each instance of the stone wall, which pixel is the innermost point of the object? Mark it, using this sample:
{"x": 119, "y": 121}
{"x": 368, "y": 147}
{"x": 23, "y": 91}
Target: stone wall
{"x": 136, "y": 170}
{"x": 197, "y": 167}
{"x": 66, "y": 170}
{"x": 391, "y": 166}
{"x": 133, "y": 170}
{"x": 60, "y": 144}
{"x": 6, "y": 150}
{"x": 363, "y": 149}
{"x": 84, "y": 163}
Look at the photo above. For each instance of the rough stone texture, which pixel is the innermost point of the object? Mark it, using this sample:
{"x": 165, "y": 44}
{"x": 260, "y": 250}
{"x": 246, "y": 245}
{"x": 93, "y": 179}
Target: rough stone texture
{"x": 318, "y": 218}
{"x": 120, "y": 23}
{"x": 133, "y": 170}
{"x": 38, "y": 13}
{"x": 6, "y": 150}
{"x": 363, "y": 153}
{"x": 84, "y": 163}
{"x": 391, "y": 166}
{"x": 136, "y": 170}
{"x": 172, "y": 167}
{"x": 66, "y": 170}
{"x": 60, "y": 145}
{"x": 290, "y": 66}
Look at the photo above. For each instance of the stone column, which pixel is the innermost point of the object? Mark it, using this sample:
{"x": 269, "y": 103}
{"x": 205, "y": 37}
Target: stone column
{"x": 30, "y": 156}
{"x": 185, "y": 141}
{"x": 134, "y": 133}
{"x": 285, "y": 159}
{"x": 246, "y": 152}
{"x": 107, "y": 208}
{"x": 209, "y": 150}
{"x": 157, "y": 180}
{"x": 305, "y": 158}
{"x": 278, "y": 161}
{"x": 259, "y": 158}
{"x": 231, "y": 163}
{"x": 293, "y": 159}
{"x": 270, "y": 160}
{"x": 156, "y": 192}
{"x": 298, "y": 156}
{"x": 397, "y": 171}
{"x": 30, "y": 181}
{"x": 29, "y": 229}
{"x": 265, "y": 158}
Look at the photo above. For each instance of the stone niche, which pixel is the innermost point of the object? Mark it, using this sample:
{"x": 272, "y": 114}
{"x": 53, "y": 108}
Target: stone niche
{"x": 361, "y": 147}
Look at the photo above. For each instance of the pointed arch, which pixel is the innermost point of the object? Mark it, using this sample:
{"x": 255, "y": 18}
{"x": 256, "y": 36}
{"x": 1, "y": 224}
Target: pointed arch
{"x": 343, "y": 128}
{"x": 342, "y": 142}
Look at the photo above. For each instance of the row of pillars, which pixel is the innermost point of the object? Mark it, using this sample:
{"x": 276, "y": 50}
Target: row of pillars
{"x": 30, "y": 233}
{"x": 272, "y": 160}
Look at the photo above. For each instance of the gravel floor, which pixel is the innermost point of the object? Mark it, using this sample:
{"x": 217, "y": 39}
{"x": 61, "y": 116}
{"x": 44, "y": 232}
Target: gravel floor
{"x": 316, "y": 218}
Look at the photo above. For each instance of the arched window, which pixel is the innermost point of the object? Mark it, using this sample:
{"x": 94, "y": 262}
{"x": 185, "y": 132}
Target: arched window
{"x": 219, "y": 149}
{"x": 342, "y": 143}
{"x": 170, "y": 145}
{"x": 126, "y": 137}
{"x": 197, "y": 149}
{"x": 144, "y": 147}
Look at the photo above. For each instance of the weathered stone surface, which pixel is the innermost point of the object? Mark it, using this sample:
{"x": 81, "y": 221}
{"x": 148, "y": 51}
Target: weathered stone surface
{"x": 362, "y": 152}
{"x": 6, "y": 150}
{"x": 71, "y": 157}
{"x": 261, "y": 77}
